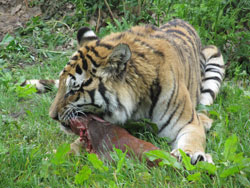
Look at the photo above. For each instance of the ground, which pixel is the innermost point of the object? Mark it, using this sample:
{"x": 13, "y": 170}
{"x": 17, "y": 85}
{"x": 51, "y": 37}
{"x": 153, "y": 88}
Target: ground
{"x": 14, "y": 14}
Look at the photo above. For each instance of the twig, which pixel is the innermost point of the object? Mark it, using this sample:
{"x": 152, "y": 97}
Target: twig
{"x": 57, "y": 21}
{"x": 98, "y": 21}
{"x": 26, "y": 4}
{"x": 139, "y": 8}
{"x": 110, "y": 12}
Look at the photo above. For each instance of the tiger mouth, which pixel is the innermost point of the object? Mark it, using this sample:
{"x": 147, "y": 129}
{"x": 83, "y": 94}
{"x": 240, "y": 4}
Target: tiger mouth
{"x": 68, "y": 124}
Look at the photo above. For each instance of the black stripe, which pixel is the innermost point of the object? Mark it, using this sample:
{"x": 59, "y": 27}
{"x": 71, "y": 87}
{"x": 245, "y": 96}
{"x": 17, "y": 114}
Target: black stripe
{"x": 176, "y": 45}
{"x": 132, "y": 64}
{"x": 118, "y": 37}
{"x": 87, "y": 48}
{"x": 96, "y": 53}
{"x": 72, "y": 76}
{"x": 102, "y": 91}
{"x": 203, "y": 57}
{"x": 216, "y": 65}
{"x": 92, "y": 60}
{"x": 136, "y": 33}
{"x": 212, "y": 78}
{"x": 171, "y": 96}
{"x": 108, "y": 46}
{"x": 78, "y": 69}
{"x": 165, "y": 26}
{"x": 211, "y": 92}
{"x": 155, "y": 92}
{"x": 71, "y": 92}
{"x": 90, "y": 38}
{"x": 177, "y": 31}
{"x": 192, "y": 118}
{"x": 157, "y": 52}
{"x": 92, "y": 95}
{"x": 152, "y": 27}
{"x": 187, "y": 37}
{"x": 169, "y": 119}
{"x": 214, "y": 70}
{"x": 218, "y": 54}
{"x": 74, "y": 58}
{"x": 183, "y": 108}
{"x": 89, "y": 104}
{"x": 139, "y": 54}
{"x": 198, "y": 93}
{"x": 190, "y": 121}
{"x": 84, "y": 62}
{"x": 180, "y": 113}
{"x": 87, "y": 83}
{"x": 202, "y": 63}
{"x": 179, "y": 50}
{"x": 187, "y": 28}
{"x": 78, "y": 97}
{"x": 184, "y": 25}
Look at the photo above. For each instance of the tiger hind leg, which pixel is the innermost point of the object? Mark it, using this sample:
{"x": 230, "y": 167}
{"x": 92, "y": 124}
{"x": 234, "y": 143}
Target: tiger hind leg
{"x": 213, "y": 68}
{"x": 191, "y": 139}
{"x": 42, "y": 86}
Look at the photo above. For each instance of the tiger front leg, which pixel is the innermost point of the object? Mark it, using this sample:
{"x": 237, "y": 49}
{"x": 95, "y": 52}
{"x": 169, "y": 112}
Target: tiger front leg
{"x": 191, "y": 139}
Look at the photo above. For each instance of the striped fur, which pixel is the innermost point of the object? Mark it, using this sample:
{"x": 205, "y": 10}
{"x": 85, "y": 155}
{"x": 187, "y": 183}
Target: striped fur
{"x": 145, "y": 72}
{"x": 214, "y": 74}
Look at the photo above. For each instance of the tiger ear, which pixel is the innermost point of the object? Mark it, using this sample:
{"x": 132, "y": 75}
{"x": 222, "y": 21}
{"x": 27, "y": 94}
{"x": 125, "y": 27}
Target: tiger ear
{"x": 84, "y": 35}
{"x": 118, "y": 59}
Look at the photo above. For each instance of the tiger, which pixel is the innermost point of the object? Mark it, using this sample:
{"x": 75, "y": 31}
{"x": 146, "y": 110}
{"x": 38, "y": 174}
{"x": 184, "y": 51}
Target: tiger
{"x": 159, "y": 73}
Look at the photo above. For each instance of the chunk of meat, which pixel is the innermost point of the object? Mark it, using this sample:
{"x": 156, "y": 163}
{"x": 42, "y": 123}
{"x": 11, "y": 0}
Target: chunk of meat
{"x": 100, "y": 137}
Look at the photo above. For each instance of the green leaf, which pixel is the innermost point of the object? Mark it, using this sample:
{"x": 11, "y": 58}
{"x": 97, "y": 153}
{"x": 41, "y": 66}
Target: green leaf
{"x": 112, "y": 184}
{"x": 194, "y": 177}
{"x": 215, "y": 113}
{"x": 152, "y": 125}
{"x": 121, "y": 156}
{"x": 3, "y": 149}
{"x": 26, "y": 91}
{"x": 83, "y": 175}
{"x": 238, "y": 158}
{"x": 6, "y": 40}
{"x": 243, "y": 163}
{"x": 97, "y": 163}
{"x": 186, "y": 160}
{"x": 229, "y": 171}
{"x": 60, "y": 155}
{"x": 205, "y": 166}
{"x": 166, "y": 157}
{"x": 230, "y": 148}
{"x": 243, "y": 180}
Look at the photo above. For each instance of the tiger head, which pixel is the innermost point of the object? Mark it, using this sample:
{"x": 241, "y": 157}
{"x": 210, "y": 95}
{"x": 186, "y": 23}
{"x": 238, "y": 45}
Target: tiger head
{"x": 92, "y": 82}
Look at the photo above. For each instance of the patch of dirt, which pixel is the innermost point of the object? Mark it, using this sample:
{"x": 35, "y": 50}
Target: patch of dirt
{"x": 14, "y": 14}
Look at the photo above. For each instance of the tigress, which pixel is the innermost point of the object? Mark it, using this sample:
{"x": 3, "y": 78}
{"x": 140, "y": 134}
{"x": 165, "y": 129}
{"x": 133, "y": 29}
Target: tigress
{"x": 159, "y": 73}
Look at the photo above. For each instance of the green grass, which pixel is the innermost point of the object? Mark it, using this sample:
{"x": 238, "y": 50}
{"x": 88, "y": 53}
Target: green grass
{"x": 29, "y": 138}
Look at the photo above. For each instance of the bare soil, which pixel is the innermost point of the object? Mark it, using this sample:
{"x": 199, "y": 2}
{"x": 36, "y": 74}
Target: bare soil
{"x": 15, "y": 14}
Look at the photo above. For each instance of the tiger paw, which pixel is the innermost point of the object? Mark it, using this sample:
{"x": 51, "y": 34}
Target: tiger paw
{"x": 195, "y": 156}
